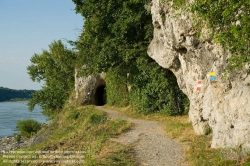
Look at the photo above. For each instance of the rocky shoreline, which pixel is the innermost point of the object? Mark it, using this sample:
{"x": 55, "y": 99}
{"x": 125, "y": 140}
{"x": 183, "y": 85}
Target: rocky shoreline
{"x": 10, "y": 143}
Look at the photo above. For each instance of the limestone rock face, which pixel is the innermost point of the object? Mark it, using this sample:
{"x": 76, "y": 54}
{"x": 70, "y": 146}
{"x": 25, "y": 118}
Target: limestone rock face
{"x": 85, "y": 88}
{"x": 222, "y": 106}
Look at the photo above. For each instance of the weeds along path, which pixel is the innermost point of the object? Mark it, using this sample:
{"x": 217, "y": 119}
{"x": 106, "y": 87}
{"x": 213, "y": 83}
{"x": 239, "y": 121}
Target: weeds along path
{"x": 151, "y": 145}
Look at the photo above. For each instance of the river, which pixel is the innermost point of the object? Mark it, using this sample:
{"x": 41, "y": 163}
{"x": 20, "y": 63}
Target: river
{"x": 11, "y": 112}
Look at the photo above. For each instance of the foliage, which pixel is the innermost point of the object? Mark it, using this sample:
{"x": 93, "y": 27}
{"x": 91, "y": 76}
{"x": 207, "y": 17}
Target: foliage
{"x": 115, "y": 40}
{"x": 28, "y": 127}
{"x": 90, "y": 133}
{"x": 230, "y": 23}
{"x": 56, "y": 68}
{"x": 113, "y": 35}
{"x": 155, "y": 89}
{"x": 116, "y": 87}
{"x": 7, "y": 94}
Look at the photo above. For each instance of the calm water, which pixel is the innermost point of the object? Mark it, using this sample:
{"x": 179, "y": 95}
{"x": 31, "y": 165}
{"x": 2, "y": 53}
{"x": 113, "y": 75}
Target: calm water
{"x": 11, "y": 112}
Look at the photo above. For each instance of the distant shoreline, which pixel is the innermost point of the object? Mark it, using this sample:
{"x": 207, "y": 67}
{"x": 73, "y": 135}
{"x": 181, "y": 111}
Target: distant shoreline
{"x": 16, "y": 100}
{"x": 20, "y": 99}
{"x": 7, "y": 94}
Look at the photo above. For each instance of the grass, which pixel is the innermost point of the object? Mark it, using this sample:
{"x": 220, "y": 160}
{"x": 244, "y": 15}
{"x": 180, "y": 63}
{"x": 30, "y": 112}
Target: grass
{"x": 86, "y": 130}
{"x": 197, "y": 147}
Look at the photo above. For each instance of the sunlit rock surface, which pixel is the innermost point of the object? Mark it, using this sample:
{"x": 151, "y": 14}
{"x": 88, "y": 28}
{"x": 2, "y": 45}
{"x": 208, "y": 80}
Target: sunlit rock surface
{"x": 221, "y": 106}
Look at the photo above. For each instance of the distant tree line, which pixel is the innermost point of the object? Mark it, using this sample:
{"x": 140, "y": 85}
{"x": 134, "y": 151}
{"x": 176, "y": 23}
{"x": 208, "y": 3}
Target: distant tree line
{"x": 7, "y": 94}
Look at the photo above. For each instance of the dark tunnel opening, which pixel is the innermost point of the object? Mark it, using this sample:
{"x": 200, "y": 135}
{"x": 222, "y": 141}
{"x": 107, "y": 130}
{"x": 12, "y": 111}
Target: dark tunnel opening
{"x": 100, "y": 96}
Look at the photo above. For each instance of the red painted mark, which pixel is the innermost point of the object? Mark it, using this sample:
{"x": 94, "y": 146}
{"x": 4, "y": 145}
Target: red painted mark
{"x": 198, "y": 88}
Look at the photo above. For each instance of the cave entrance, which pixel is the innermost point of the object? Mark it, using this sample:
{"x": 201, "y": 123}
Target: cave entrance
{"x": 100, "y": 96}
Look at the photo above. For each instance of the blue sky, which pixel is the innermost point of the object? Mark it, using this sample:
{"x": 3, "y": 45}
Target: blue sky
{"x": 28, "y": 27}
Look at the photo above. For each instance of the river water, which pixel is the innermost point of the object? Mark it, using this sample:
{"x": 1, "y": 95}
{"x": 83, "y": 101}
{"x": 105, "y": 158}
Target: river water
{"x": 11, "y": 112}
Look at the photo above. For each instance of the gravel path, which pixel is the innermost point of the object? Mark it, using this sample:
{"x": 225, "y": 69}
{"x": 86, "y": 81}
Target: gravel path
{"x": 151, "y": 145}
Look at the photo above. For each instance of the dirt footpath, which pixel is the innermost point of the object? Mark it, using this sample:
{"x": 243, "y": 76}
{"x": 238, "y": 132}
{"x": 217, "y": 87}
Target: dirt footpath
{"x": 151, "y": 145}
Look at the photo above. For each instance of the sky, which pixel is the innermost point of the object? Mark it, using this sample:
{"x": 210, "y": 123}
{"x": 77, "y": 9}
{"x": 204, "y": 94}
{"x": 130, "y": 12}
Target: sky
{"x": 28, "y": 27}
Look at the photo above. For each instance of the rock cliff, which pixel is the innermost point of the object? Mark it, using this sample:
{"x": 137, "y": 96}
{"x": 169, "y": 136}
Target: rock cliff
{"x": 220, "y": 106}
{"x": 86, "y": 88}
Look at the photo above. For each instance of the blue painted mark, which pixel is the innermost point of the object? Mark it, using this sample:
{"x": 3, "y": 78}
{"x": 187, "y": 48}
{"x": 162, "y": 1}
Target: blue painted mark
{"x": 213, "y": 78}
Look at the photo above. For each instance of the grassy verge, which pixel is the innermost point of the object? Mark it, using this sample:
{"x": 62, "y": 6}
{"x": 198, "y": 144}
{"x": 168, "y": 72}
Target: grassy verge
{"x": 198, "y": 150}
{"x": 84, "y": 130}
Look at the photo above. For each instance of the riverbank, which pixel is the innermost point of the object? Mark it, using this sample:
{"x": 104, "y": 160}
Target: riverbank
{"x": 79, "y": 129}
{"x": 12, "y": 112}
{"x": 10, "y": 143}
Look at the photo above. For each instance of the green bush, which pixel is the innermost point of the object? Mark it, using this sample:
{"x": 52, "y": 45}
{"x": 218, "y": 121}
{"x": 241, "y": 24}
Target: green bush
{"x": 28, "y": 127}
{"x": 155, "y": 89}
{"x": 116, "y": 87}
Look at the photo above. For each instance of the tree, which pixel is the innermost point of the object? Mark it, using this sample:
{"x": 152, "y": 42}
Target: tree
{"x": 56, "y": 68}
{"x": 115, "y": 34}
{"x": 7, "y": 94}
{"x": 114, "y": 40}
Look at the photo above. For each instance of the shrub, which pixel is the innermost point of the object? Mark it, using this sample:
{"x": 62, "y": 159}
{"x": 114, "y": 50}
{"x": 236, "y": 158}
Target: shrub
{"x": 117, "y": 90}
{"x": 155, "y": 89}
{"x": 28, "y": 127}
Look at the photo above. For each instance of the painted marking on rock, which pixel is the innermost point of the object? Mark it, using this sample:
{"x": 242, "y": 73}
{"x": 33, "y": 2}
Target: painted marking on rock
{"x": 213, "y": 76}
{"x": 199, "y": 85}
